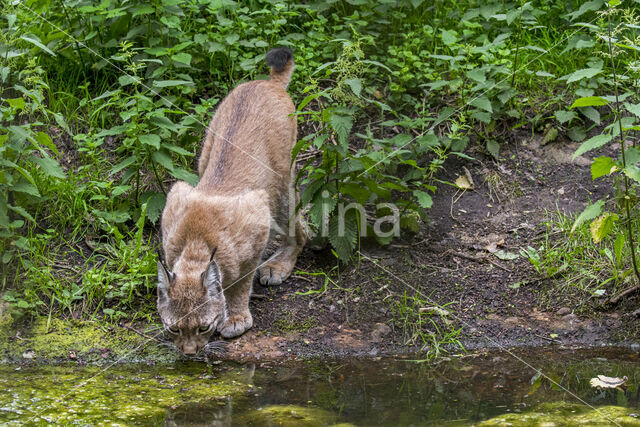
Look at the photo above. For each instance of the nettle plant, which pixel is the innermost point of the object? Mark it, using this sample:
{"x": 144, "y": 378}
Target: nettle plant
{"x": 622, "y": 40}
{"x": 149, "y": 125}
{"x": 28, "y": 156}
{"x": 369, "y": 182}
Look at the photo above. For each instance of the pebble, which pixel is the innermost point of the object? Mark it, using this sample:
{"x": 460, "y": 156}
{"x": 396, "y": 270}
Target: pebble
{"x": 563, "y": 311}
{"x": 379, "y": 332}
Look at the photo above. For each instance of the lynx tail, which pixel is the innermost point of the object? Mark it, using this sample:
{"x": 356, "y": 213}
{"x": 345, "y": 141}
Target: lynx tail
{"x": 280, "y": 59}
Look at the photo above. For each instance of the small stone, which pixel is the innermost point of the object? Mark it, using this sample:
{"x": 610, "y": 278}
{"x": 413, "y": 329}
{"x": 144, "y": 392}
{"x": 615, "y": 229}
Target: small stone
{"x": 563, "y": 311}
{"x": 379, "y": 332}
{"x": 332, "y": 308}
{"x": 570, "y": 318}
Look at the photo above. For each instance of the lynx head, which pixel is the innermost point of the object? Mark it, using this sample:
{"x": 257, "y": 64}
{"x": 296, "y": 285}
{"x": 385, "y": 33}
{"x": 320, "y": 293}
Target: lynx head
{"x": 191, "y": 305}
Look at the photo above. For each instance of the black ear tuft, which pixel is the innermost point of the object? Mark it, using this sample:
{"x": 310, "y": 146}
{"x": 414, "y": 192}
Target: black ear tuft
{"x": 213, "y": 254}
{"x": 278, "y": 58}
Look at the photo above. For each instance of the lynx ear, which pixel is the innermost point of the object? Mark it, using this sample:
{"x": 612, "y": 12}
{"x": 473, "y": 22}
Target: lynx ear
{"x": 165, "y": 277}
{"x": 212, "y": 280}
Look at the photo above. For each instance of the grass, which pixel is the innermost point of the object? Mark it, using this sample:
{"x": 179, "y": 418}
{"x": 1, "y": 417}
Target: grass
{"x": 289, "y": 321}
{"x": 428, "y": 326}
{"x": 579, "y": 273}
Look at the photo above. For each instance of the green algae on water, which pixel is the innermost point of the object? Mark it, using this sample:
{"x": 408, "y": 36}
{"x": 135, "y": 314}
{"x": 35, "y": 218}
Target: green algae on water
{"x": 65, "y": 395}
{"x": 290, "y": 415}
{"x": 566, "y": 414}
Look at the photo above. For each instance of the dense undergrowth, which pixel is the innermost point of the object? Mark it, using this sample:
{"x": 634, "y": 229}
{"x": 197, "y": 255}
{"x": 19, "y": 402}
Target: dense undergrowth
{"x": 104, "y": 105}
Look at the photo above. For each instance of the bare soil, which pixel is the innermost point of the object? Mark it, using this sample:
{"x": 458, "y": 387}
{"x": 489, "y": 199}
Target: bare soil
{"x": 496, "y": 302}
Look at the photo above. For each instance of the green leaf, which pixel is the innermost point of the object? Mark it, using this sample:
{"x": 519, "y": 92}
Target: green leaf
{"x": 184, "y": 175}
{"x": 155, "y": 204}
{"x": 343, "y": 233}
{"x": 355, "y": 84}
{"x": 632, "y": 108}
{"x": 124, "y": 164}
{"x": 151, "y": 139}
{"x": 585, "y": 73}
{"x": 44, "y": 139}
{"x": 142, "y": 10}
{"x": 478, "y": 76}
{"x": 493, "y": 147}
{"x": 162, "y": 159}
{"x": 632, "y": 172}
{"x": 591, "y": 113}
{"x": 182, "y": 57}
{"x": 483, "y": 103}
{"x": 20, "y": 210}
{"x": 50, "y": 167}
{"x": 359, "y": 192}
{"x": 424, "y": 198}
{"x": 27, "y": 188}
{"x": 342, "y": 127}
{"x": 163, "y": 122}
{"x": 564, "y": 116}
{"x": 127, "y": 79}
{"x": 17, "y": 103}
{"x": 482, "y": 116}
{"x": 449, "y": 37}
{"x": 602, "y": 166}
{"x": 177, "y": 150}
{"x": 592, "y": 143}
{"x": 589, "y": 213}
{"x": 36, "y": 41}
{"x": 309, "y": 193}
{"x": 321, "y": 209}
{"x": 506, "y": 255}
{"x": 170, "y": 83}
{"x": 602, "y": 226}
{"x": 589, "y": 101}
{"x": 577, "y": 133}
{"x": 632, "y": 155}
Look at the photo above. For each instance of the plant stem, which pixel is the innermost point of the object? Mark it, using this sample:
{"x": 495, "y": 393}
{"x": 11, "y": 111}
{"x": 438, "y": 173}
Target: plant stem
{"x": 515, "y": 58}
{"x": 155, "y": 172}
{"x": 624, "y": 161}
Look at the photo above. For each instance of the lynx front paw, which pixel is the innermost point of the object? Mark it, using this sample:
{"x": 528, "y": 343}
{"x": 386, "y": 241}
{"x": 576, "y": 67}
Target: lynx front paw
{"x": 236, "y": 325}
{"x": 274, "y": 272}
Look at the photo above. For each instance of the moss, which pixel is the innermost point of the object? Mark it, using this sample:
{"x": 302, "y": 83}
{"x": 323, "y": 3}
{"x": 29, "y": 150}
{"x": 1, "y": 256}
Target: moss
{"x": 290, "y": 322}
{"x": 290, "y": 415}
{"x": 56, "y": 340}
{"x": 566, "y": 414}
{"x": 146, "y": 395}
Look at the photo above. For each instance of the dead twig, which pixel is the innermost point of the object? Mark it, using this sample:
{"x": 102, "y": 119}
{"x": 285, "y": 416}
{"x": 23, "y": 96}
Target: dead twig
{"x": 548, "y": 339}
{"x": 481, "y": 259}
{"x": 614, "y": 300}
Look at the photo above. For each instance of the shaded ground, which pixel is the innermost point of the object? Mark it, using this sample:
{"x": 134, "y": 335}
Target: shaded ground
{"x": 496, "y": 302}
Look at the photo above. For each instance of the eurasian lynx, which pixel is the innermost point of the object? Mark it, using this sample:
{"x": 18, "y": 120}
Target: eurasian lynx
{"x": 214, "y": 234}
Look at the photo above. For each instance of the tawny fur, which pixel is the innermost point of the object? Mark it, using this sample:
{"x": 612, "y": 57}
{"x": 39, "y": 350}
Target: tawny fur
{"x": 245, "y": 191}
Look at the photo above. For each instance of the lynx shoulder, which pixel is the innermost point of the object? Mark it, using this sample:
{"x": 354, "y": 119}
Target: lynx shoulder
{"x": 214, "y": 234}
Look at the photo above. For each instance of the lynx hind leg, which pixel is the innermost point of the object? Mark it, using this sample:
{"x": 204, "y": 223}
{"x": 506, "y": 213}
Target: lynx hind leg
{"x": 277, "y": 268}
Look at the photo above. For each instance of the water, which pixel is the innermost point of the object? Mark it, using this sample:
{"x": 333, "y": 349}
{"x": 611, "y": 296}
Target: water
{"x": 495, "y": 389}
